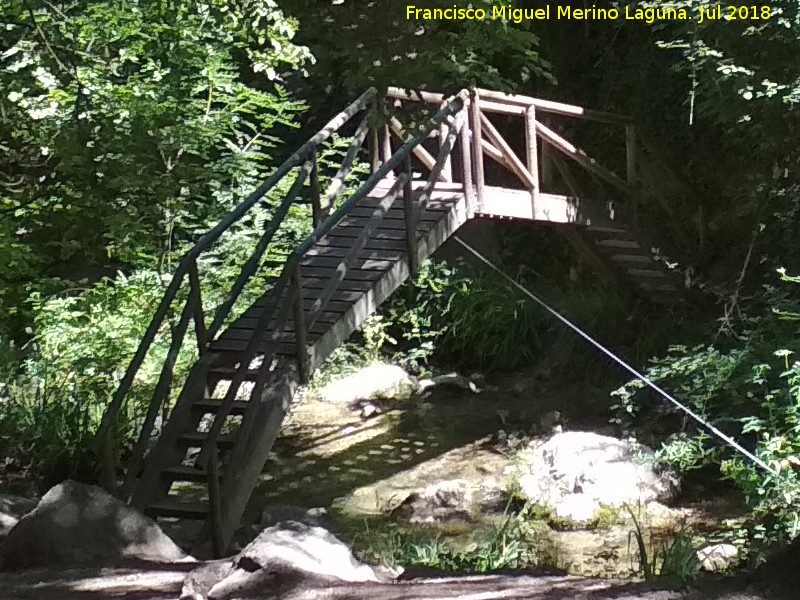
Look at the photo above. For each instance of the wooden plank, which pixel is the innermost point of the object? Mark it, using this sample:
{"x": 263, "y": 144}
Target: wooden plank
{"x": 558, "y": 108}
{"x": 414, "y": 95}
{"x": 366, "y": 253}
{"x": 516, "y": 204}
{"x": 244, "y": 329}
{"x": 173, "y": 508}
{"x": 326, "y": 273}
{"x": 211, "y": 405}
{"x": 358, "y": 264}
{"x": 421, "y": 211}
{"x": 387, "y": 223}
{"x": 501, "y": 108}
{"x": 390, "y": 233}
{"x": 341, "y": 302}
{"x": 229, "y": 344}
{"x": 334, "y": 241}
{"x": 432, "y": 210}
{"x": 348, "y": 286}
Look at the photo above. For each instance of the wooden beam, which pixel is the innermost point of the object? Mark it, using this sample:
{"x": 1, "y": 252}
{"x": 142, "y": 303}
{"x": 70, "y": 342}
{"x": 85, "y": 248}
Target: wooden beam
{"x": 516, "y": 164}
{"x": 416, "y": 96}
{"x": 477, "y": 147}
{"x": 447, "y": 169}
{"x": 531, "y": 157}
{"x": 580, "y": 157}
{"x": 503, "y": 109}
{"x": 558, "y": 108}
{"x": 466, "y": 161}
{"x": 410, "y": 220}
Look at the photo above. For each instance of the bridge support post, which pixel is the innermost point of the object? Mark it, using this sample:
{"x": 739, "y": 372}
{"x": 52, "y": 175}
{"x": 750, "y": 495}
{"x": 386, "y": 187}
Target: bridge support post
{"x": 316, "y": 202}
{"x": 531, "y": 155}
{"x": 466, "y": 161}
{"x": 300, "y": 326}
{"x": 447, "y": 170}
{"x": 408, "y": 213}
{"x": 630, "y": 160}
{"x": 374, "y": 150}
{"x": 477, "y": 146}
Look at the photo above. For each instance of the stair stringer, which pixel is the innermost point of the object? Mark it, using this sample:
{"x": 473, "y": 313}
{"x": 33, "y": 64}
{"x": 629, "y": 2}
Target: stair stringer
{"x": 255, "y": 437}
{"x": 167, "y": 451}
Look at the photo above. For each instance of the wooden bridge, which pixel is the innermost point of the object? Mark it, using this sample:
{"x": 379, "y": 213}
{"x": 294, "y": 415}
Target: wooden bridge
{"x": 360, "y": 250}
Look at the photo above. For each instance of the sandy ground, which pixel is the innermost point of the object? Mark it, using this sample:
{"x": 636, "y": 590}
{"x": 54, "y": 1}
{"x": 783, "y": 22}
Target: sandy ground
{"x": 163, "y": 582}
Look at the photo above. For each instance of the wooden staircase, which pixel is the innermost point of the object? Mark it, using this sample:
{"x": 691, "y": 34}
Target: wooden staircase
{"x": 252, "y": 359}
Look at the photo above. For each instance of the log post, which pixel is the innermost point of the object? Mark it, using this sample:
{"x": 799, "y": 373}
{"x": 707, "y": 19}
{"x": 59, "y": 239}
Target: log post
{"x": 630, "y": 153}
{"x": 466, "y": 162}
{"x": 477, "y": 147}
{"x": 316, "y": 205}
{"x": 447, "y": 171}
{"x": 300, "y": 326}
{"x": 531, "y": 155}
{"x": 215, "y": 505}
{"x": 374, "y": 150}
{"x": 408, "y": 213}
{"x": 630, "y": 160}
{"x": 387, "y": 147}
{"x": 201, "y": 333}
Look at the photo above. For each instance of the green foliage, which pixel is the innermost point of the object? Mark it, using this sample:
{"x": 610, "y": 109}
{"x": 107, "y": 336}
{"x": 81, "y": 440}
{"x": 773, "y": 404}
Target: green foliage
{"x": 51, "y": 409}
{"x": 129, "y": 127}
{"x": 509, "y": 545}
{"x": 749, "y": 387}
{"x": 674, "y": 559}
{"x": 385, "y": 48}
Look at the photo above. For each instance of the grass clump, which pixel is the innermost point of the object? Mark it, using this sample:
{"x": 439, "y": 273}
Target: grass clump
{"x": 507, "y": 545}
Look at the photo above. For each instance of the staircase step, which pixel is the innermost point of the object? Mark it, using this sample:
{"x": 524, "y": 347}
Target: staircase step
{"x": 228, "y": 373}
{"x": 196, "y": 439}
{"x": 657, "y": 287}
{"x": 185, "y": 473}
{"x": 211, "y": 406}
{"x": 170, "y": 507}
{"x": 615, "y": 243}
{"x": 639, "y": 259}
{"x": 649, "y": 273}
{"x": 604, "y": 229}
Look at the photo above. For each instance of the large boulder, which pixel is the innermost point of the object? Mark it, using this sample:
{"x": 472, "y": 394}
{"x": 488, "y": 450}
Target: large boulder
{"x": 12, "y": 508}
{"x": 76, "y": 524}
{"x": 575, "y": 473}
{"x": 375, "y": 381}
{"x": 285, "y": 556}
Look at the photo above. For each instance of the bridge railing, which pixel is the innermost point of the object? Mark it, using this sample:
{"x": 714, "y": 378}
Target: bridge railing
{"x": 183, "y": 293}
{"x": 542, "y": 144}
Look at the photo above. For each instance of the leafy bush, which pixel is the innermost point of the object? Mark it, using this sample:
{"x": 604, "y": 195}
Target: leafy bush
{"x": 746, "y": 385}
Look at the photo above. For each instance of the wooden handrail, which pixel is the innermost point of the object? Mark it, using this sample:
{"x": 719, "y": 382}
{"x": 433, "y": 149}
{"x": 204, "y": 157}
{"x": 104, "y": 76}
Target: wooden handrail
{"x": 557, "y": 108}
{"x": 515, "y": 104}
{"x": 204, "y": 243}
